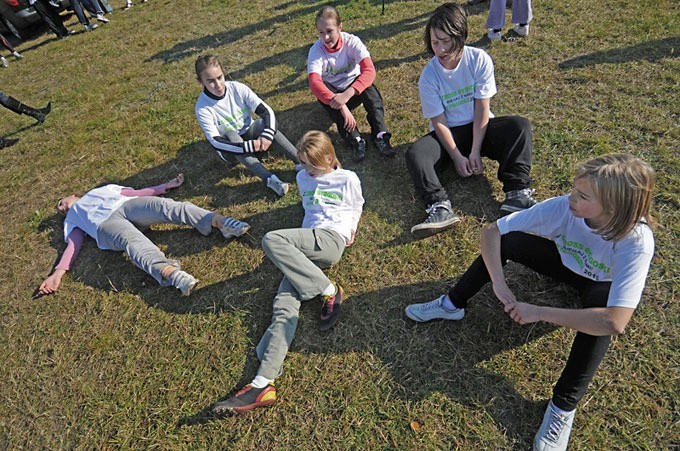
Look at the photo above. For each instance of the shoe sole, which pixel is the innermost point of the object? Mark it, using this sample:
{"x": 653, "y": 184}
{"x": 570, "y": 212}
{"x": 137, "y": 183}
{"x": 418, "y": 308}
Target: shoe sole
{"x": 424, "y": 232}
{"x": 232, "y": 235}
{"x": 323, "y": 327}
{"x": 191, "y": 289}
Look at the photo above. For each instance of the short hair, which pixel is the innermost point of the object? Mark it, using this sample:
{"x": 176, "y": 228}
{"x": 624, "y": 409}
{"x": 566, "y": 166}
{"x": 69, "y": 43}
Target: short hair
{"x": 205, "y": 61}
{"x": 451, "y": 19}
{"x": 317, "y": 147}
{"x": 328, "y": 12}
{"x": 623, "y": 185}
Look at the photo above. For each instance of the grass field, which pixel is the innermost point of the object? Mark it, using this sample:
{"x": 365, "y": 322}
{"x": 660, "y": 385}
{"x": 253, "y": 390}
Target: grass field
{"x": 114, "y": 361}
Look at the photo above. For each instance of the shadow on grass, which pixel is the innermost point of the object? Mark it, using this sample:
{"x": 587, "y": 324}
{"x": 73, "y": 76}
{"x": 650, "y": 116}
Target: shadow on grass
{"x": 446, "y": 357}
{"x": 651, "y": 51}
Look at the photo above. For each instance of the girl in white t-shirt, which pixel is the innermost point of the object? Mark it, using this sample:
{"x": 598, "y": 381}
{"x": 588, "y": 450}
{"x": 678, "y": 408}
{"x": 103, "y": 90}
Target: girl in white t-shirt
{"x": 332, "y": 200}
{"x": 113, "y": 215}
{"x": 599, "y": 240}
{"x": 455, "y": 90}
{"x": 224, "y": 111}
{"x": 341, "y": 75}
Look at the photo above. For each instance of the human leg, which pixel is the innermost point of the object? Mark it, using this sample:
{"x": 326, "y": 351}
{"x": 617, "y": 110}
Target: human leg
{"x": 496, "y": 19}
{"x": 300, "y": 254}
{"x": 14, "y": 105}
{"x": 250, "y": 161}
{"x": 119, "y": 234}
{"x": 51, "y": 17}
{"x": 375, "y": 109}
{"x": 521, "y": 12}
{"x": 508, "y": 141}
{"x": 148, "y": 210}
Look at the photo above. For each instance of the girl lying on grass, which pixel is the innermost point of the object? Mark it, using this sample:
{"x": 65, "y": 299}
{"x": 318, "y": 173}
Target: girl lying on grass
{"x": 112, "y": 214}
{"x": 333, "y": 203}
{"x": 597, "y": 239}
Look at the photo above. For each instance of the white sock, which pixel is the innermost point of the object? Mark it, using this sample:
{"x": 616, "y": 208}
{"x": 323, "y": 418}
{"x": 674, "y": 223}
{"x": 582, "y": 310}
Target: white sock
{"x": 562, "y": 412}
{"x": 447, "y": 304}
{"x": 261, "y": 382}
{"x": 329, "y": 291}
{"x": 380, "y": 135}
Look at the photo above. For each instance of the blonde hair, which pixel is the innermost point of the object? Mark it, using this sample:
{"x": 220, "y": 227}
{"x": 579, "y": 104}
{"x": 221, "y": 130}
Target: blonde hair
{"x": 317, "y": 148}
{"x": 205, "y": 61}
{"x": 623, "y": 185}
{"x": 328, "y": 12}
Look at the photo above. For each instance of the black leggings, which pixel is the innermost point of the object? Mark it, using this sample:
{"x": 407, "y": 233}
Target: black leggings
{"x": 541, "y": 255}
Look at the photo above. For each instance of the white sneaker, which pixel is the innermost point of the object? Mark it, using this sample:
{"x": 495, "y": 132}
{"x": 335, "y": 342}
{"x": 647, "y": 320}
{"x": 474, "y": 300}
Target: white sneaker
{"x": 495, "y": 35}
{"x": 433, "y": 310}
{"x": 17, "y": 55}
{"x": 553, "y": 435}
{"x": 3, "y": 61}
{"x": 101, "y": 18}
{"x": 183, "y": 281}
{"x": 233, "y": 227}
{"x": 521, "y": 30}
{"x": 128, "y": 5}
{"x": 91, "y": 27}
{"x": 276, "y": 185}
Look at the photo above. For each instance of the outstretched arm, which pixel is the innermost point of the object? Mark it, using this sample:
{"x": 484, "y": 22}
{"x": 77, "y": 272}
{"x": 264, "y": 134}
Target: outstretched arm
{"x": 155, "y": 190}
{"x": 491, "y": 253}
{"x": 74, "y": 242}
{"x": 592, "y": 321}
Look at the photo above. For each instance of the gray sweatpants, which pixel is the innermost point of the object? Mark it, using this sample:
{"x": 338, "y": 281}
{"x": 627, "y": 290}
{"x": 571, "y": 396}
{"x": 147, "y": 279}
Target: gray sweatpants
{"x": 521, "y": 13}
{"x": 120, "y": 231}
{"x": 249, "y": 160}
{"x": 299, "y": 254}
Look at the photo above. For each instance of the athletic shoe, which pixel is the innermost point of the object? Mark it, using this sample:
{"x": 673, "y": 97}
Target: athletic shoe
{"x": 183, "y": 281}
{"x": 521, "y": 30}
{"x": 384, "y": 146}
{"x": 553, "y": 435}
{"x": 90, "y": 27}
{"x": 359, "y": 148}
{"x": 439, "y": 217}
{"x": 101, "y": 18}
{"x": 233, "y": 227}
{"x": 276, "y": 185}
{"x": 17, "y": 55}
{"x": 3, "y": 61}
{"x": 518, "y": 200}
{"x": 331, "y": 309}
{"x": 246, "y": 399}
{"x": 433, "y": 310}
{"x": 128, "y": 5}
{"x": 495, "y": 34}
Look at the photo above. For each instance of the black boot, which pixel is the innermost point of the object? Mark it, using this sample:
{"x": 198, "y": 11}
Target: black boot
{"x": 20, "y": 108}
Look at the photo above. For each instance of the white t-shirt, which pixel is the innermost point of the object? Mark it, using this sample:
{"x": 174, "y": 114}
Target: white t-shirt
{"x": 453, "y": 91}
{"x": 231, "y": 113}
{"x": 625, "y": 263}
{"x": 95, "y": 207}
{"x": 339, "y": 68}
{"x": 331, "y": 201}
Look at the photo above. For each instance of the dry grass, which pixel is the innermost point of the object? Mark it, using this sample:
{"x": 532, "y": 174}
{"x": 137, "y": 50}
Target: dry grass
{"x": 113, "y": 361}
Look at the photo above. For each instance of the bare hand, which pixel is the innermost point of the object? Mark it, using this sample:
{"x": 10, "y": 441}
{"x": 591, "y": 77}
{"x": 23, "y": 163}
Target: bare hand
{"x": 176, "y": 182}
{"x": 504, "y": 294}
{"x": 342, "y": 98}
{"x": 51, "y": 284}
{"x": 476, "y": 164}
{"x": 463, "y": 166}
{"x": 350, "y": 122}
{"x": 523, "y": 313}
{"x": 264, "y": 144}
{"x": 351, "y": 239}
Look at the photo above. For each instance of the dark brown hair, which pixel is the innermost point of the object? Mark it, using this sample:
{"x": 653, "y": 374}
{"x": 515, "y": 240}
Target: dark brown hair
{"x": 451, "y": 20}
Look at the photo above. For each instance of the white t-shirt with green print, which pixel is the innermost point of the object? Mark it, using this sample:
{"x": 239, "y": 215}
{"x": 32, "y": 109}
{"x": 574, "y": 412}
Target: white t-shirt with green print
{"x": 625, "y": 262}
{"x": 453, "y": 91}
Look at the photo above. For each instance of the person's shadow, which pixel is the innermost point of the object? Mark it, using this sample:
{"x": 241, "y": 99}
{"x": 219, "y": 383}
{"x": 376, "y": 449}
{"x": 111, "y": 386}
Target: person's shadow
{"x": 651, "y": 51}
{"x": 446, "y": 357}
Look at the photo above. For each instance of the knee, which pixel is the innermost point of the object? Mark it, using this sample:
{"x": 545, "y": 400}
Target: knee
{"x": 270, "y": 240}
{"x": 520, "y": 124}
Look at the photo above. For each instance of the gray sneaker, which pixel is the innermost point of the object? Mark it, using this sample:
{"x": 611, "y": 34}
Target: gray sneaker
{"x": 183, "y": 281}
{"x": 553, "y": 435}
{"x": 233, "y": 227}
{"x": 440, "y": 216}
{"x": 276, "y": 185}
{"x": 518, "y": 200}
{"x": 433, "y": 310}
